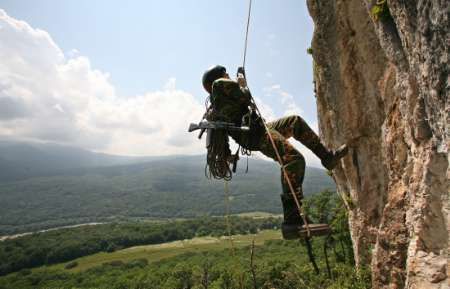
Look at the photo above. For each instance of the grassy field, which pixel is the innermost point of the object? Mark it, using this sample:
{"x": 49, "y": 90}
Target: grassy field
{"x": 259, "y": 215}
{"x": 158, "y": 252}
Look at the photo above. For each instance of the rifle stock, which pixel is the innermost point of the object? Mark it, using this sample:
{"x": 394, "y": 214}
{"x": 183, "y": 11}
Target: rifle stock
{"x": 193, "y": 126}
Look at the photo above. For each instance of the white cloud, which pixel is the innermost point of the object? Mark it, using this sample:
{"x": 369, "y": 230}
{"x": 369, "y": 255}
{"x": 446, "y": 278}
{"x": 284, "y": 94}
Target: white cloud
{"x": 287, "y": 100}
{"x": 271, "y": 36}
{"x": 48, "y": 96}
{"x": 269, "y": 43}
{"x": 289, "y": 107}
{"x": 73, "y": 53}
{"x": 266, "y": 110}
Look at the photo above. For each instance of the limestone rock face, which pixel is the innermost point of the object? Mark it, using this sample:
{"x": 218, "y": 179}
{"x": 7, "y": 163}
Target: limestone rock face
{"x": 382, "y": 88}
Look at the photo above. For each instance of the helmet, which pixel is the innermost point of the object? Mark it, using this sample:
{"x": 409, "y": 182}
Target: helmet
{"x": 211, "y": 75}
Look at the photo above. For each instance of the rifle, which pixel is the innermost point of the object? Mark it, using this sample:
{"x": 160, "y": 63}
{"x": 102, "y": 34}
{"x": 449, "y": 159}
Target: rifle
{"x": 210, "y": 125}
{"x": 217, "y": 125}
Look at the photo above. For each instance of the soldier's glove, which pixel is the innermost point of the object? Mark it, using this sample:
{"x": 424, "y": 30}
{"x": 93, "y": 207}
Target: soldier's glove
{"x": 241, "y": 80}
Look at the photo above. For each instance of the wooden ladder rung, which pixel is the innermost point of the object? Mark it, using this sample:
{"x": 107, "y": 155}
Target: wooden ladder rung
{"x": 315, "y": 230}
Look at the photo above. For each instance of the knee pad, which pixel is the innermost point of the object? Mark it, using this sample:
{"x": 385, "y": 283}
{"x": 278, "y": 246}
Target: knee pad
{"x": 295, "y": 171}
{"x": 296, "y": 164}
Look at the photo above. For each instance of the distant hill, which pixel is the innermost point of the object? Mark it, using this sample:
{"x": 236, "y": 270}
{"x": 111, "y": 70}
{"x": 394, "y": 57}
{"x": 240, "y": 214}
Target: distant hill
{"x": 164, "y": 187}
{"x": 22, "y": 160}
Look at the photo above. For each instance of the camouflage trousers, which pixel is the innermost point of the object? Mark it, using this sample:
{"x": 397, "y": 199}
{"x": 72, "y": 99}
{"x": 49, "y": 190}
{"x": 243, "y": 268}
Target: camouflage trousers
{"x": 292, "y": 160}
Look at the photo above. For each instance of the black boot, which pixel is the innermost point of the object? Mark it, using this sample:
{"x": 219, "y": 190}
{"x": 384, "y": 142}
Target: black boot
{"x": 293, "y": 226}
{"x": 331, "y": 159}
{"x": 292, "y": 218}
{"x": 328, "y": 158}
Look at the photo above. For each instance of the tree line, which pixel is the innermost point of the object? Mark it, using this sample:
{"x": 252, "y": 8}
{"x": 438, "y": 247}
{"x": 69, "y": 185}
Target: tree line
{"x": 67, "y": 244}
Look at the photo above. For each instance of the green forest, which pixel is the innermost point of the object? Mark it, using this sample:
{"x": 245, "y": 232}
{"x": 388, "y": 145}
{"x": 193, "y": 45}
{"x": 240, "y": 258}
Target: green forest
{"x": 274, "y": 263}
{"x": 277, "y": 264}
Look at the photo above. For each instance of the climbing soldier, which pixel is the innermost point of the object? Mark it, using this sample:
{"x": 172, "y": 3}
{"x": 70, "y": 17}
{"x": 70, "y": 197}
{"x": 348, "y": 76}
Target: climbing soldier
{"x": 231, "y": 102}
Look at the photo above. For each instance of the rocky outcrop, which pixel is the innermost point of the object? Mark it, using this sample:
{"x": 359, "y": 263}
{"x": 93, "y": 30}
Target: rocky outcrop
{"x": 381, "y": 76}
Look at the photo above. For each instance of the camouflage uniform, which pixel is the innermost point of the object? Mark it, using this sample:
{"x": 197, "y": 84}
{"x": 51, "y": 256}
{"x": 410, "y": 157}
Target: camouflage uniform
{"x": 230, "y": 103}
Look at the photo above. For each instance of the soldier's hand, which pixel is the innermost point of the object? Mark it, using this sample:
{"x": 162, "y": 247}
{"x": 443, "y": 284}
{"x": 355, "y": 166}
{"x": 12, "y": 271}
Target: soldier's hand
{"x": 241, "y": 80}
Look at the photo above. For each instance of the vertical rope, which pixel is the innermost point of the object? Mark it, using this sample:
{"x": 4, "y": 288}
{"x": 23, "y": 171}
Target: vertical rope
{"x": 311, "y": 255}
{"x": 227, "y": 215}
{"x": 246, "y": 32}
{"x": 325, "y": 252}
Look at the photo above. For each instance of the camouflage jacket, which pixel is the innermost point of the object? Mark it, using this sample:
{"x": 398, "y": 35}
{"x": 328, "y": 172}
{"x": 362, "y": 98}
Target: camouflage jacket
{"x": 230, "y": 103}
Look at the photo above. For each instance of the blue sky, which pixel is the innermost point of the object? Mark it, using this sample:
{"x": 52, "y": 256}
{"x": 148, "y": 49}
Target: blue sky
{"x": 142, "y": 45}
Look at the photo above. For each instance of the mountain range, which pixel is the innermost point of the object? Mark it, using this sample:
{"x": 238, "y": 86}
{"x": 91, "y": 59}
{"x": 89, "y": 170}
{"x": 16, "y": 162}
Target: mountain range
{"x": 48, "y": 185}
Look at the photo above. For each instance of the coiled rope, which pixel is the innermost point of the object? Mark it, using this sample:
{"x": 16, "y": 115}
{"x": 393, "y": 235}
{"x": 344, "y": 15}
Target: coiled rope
{"x": 217, "y": 156}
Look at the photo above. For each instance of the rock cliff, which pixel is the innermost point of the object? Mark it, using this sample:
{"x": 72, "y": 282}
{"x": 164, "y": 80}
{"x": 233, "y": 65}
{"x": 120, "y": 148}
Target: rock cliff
{"x": 381, "y": 77}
